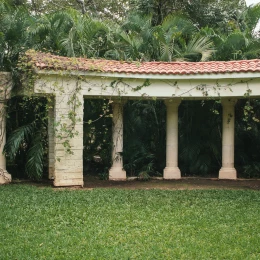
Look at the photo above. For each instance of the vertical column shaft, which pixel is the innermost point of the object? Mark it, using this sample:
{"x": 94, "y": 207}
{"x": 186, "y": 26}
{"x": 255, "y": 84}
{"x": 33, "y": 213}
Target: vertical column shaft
{"x": 117, "y": 172}
{"x": 2, "y": 136}
{"x": 51, "y": 133}
{"x": 5, "y": 177}
{"x": 172, "y": 170}
{"x": 68, "y": 164}
{"x": 228, "y": 140}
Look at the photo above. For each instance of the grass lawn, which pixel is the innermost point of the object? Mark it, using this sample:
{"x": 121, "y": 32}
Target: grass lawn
{"x": 44, "y": 223}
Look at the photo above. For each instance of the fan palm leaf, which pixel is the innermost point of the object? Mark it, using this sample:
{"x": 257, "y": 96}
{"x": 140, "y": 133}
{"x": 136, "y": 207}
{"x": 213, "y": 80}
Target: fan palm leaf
{"x": 18, "y": 138}
{"x": 199, "y": 45}
{"x": 34, "y": 157}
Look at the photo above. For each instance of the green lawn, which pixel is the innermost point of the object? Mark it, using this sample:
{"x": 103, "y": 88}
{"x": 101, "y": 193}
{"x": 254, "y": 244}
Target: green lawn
{"x": 44, "y": 223}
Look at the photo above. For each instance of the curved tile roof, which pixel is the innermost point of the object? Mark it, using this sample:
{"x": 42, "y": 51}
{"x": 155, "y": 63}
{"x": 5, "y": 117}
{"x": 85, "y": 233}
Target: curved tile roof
{"x": 48, "y": 61}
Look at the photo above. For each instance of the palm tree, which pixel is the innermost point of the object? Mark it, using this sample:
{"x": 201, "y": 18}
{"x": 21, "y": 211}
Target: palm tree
{"x": 178, "y": 39}
{"x": 48, "y": 30}
{"x": 132, "y": 40}
{"x": 26, "y": 130}
{"x": 26, "y": 145}
{"x": 86, "y": 37}
{"x": 14, "y": 37}
{"x": 175, "y": 39}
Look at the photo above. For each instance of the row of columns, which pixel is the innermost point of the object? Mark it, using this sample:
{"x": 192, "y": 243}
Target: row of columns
{"x": 67, "y": 169}
{"x": 172, "y": 170}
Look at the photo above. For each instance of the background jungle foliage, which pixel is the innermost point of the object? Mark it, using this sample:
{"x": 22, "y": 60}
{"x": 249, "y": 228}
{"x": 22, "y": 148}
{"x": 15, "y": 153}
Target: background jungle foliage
{"x": 142, "y": 30}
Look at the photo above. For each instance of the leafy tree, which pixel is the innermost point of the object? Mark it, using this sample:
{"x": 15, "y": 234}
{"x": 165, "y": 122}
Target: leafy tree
{"x": 158, "y": 9}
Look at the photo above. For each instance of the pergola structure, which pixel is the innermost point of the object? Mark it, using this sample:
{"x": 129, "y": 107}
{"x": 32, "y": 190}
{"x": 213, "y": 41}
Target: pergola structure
{"x": 62, "y": 78}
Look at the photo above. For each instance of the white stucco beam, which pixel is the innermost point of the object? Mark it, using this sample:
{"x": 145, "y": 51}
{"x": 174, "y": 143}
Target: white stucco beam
{"x": 156, "y": 88}
{"x": 245, "y": 75}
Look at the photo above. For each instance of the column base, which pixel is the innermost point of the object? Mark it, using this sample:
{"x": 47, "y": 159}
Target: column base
{"x": 171, "y": 173}
{"x": 227, "y": 173}
{"x": 5, "y": 177}
{"x": 68, "y": 182}
{"x": 51, "y": 173}
{"x": 117, "y": 174}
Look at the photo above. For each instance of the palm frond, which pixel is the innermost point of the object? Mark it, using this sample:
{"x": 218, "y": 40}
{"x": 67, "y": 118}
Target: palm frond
{"x": 252, "y": 17}
{"x": 34, "y": 158}
{"x": 198, "y": 45}
{"x": 18, "y": 138}
{"x": 179, "y": 23}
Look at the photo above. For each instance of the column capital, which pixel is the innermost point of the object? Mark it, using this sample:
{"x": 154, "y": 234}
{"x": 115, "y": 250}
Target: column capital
{"x": 228, "y": 101}
{"x": 172, "y": 102}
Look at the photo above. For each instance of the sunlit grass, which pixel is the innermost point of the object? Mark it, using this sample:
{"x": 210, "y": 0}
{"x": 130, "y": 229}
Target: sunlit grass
{"x": 42, "y": 223}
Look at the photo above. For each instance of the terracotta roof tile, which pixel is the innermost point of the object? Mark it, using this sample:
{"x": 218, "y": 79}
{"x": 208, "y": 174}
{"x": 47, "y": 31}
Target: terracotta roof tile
{"x": 47, "y": 61}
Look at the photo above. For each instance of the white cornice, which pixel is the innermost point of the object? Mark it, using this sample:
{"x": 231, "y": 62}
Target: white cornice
{"x": 243, "y": 75}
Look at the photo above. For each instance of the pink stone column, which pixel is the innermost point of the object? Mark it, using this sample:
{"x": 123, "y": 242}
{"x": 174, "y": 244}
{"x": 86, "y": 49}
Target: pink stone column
{"x": 227, "y": 170}
{"x": 117, "y": 172}
{"x": 172, "y": 170}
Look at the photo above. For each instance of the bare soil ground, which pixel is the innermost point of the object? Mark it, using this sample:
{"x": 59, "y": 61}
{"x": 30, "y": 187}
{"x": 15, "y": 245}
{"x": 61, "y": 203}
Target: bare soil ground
{"x": 182, "y": 184}
{"x": 186, "y": 183}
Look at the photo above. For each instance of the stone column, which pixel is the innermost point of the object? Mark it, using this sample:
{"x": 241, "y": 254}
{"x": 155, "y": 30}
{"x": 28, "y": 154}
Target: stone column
{"x": 5, "y": 90}
{"x": 117, "y": 172}
{"x": 68, "y": 164}
{"x": 228, "y": 135}
{"x": 5, "y": 177}
{"x": 51, "y": 133}
{"x": 172, "y": 170}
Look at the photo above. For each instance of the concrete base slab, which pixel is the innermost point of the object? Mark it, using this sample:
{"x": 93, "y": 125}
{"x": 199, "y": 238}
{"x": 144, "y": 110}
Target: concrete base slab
{"x": 117, "y": 174}
{"x": 171, "y": 173}
{"x": 228, "y": 174}
{"x": 5, "y": 177}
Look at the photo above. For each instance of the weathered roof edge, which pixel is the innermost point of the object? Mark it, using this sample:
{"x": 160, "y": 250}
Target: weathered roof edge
{"x": 46, "y": 61}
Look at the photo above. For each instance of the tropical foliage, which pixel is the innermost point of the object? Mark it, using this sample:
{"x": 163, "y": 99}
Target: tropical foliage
{"x": 182, "y": 30}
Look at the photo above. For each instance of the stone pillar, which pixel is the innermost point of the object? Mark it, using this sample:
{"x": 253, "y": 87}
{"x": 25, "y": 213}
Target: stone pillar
{"x": 5, "y": 177}
{"x": 68, "y": 164}
{"x": 51, "y": 133}
{"x": 117, "y": 172}
{"x": 228, "y": 135}
{"x": 5, "y": 89}
{"x": 172, "y": 170}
